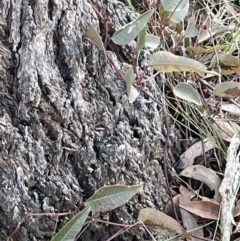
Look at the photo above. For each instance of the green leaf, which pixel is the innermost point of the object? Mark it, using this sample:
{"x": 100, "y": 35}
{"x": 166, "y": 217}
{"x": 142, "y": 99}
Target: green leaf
{"x": 141, "y": 40}
{"x": 110, "y": 197}
{"x": 130, "y": 31}
{"x": 187, "y": 92}
{"x": 179, "y": 8}
{"x": 93, "y": 35}
{"x": 132, "y": 92}
{"x": 128, "y": 78}
{"x": 163, "y": 14}
{"x": 167, "y": 62}
{"x": 227, "y": 89}
{"x": 131, "y": 6}
{"x": 152, "y": 41}
{"x": 191, "y": 28}
{"x": 72, "y": 228}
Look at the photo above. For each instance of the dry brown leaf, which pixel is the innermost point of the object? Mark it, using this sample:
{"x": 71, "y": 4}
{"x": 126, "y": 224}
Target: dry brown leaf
{"x": 160, "y": 221}
{"x": 204, "y": 49}
{"x": 209, "y": 200}
{"x": 231, "y": 108}
{"x": 228, "y": 63}
{"x": 188, "y": 219}
{"x": 236, "y": 211}
{"x": 229, "y": 60}
{"x": 226, "y": 129}
{"x": 187, "y": 158}
{"x": 228, "y": 107}
{"x": 227, "y": 89}
{"x": 237, "y": 229}
{"x": 205, "y": 175}
{"x": 169, "y": 209}
{"x": 204, "y": 209}
{"x": 205, "y": 34}
{"x": 167, "y": 62}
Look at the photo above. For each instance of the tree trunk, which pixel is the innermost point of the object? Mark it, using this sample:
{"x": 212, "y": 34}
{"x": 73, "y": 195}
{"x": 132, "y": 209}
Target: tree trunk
{"x": 66, "y": 125}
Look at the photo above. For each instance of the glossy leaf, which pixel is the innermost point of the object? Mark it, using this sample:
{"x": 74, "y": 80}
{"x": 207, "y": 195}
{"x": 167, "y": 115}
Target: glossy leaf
{"x": 187, "y": 92}
{"x": 130, "y": 31}
{"x": 165, "y": 61}
{"x": 227, "y": 89}
{"x": 178, "y": 8}
{"x": 73, "y": 227}
{"x": 110, "y": 197}
{"x": 93, "y": 35}
{"x": 160, "y": 221}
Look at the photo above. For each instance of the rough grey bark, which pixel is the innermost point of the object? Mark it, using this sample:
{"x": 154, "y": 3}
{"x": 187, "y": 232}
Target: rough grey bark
{"x": 66, "y": 125}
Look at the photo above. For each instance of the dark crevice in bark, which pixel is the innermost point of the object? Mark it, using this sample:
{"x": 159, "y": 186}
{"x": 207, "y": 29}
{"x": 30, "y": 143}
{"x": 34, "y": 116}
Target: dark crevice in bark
{"x": 112, "y": 97}
{"x": 50, "y": 10}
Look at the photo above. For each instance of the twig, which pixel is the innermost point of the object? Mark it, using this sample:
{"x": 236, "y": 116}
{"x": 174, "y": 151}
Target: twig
{"x": 111, "y": 223}
{"x": 121, "y": 231}
{"x": 105, "y": 22}
{"x": 229, "y": 187}
{"x": 49, "y": 214}
{"x": 10, "y": 238}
